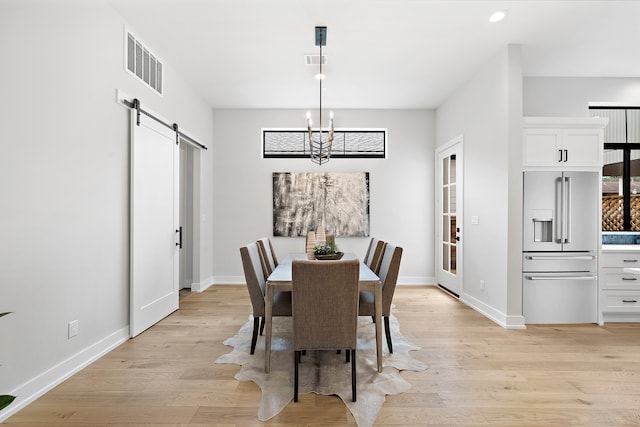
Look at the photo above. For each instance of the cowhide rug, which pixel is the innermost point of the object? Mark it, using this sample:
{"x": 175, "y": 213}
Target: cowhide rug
{"x": 323, "y": 372}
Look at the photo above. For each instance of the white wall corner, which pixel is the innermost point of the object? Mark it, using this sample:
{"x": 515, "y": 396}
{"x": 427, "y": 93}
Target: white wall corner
{"x": 489, "y": 312}
{"x": 202, "y": 285}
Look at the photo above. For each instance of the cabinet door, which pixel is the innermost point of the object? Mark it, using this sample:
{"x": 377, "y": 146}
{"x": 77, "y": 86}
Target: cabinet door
{"x": 583, "y": 147}
{"x": 541, "y": 148}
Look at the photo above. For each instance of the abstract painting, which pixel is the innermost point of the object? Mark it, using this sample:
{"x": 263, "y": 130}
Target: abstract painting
{"x": 339, "y": 201}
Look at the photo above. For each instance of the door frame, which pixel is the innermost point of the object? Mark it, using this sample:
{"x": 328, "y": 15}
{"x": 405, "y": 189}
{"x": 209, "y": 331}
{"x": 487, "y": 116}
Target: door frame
{"x": 454, "y": 284}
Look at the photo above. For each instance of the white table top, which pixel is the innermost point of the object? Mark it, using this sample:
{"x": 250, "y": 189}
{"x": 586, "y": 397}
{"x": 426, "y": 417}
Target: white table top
{"x": 282, "y": 273}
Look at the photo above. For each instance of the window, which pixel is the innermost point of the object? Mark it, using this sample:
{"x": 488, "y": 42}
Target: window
{"x": 621, "y": 170}
{"x": 361, "y": 143}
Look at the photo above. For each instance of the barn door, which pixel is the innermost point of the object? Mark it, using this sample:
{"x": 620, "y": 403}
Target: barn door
{"x": 154, "y": 223}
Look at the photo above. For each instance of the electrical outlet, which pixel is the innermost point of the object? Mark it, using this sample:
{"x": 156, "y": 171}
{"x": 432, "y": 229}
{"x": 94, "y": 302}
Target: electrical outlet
{"x": 73, "y": 328}
{"x": 482, "y": 285}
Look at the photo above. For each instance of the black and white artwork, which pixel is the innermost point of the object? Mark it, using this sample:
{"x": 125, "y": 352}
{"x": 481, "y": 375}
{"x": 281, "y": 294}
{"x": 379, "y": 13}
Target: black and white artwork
{"x": 339, "y": 201}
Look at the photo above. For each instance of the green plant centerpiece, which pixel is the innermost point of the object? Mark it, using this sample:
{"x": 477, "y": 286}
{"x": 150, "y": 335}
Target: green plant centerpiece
{"x": 5, "y": 399}
{"x": 328, "y": 251}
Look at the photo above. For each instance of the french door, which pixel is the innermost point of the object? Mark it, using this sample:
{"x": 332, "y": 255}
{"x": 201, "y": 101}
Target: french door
{"x": 449, "y": 215}
{"x": 154, "y": 245}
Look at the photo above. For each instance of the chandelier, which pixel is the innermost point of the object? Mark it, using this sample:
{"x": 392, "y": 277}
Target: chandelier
{"x": 320, "y": 141}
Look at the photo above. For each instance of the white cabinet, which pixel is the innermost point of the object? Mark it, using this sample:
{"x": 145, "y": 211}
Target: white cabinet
{"x": 619, "y": 291}
{"x": 557, "y": 143}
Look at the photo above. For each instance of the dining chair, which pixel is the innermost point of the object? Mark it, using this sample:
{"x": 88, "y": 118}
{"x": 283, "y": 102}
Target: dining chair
{"x": 374, "y": 254}
{"x": 256, "y": 283}
{"x": 268, "y": 258}
{"x": 388, "y": 274}
{"x": 325, "y": 310}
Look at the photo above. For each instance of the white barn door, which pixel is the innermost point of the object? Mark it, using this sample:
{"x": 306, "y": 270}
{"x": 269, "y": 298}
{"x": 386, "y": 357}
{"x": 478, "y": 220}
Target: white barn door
{"x": 154, "y": 223}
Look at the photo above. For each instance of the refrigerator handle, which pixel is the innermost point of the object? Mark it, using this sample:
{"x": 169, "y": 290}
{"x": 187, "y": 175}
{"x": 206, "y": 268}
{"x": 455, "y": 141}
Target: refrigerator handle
{"x": 559, "y": 210}
{"x": 567, "y": 211}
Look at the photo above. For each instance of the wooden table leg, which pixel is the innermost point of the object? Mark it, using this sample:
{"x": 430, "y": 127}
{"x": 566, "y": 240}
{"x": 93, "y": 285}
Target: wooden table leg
{"x": 268, "y": 308}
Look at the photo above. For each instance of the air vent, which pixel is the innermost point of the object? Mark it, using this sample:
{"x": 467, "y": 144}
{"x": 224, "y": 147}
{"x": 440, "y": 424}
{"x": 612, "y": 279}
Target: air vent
{"x": 314, "y": 59}
{"x": 142, "y": 64}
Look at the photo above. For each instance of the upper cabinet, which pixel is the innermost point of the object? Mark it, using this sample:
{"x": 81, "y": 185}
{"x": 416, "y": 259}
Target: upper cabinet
{"x": 559, "y": 143}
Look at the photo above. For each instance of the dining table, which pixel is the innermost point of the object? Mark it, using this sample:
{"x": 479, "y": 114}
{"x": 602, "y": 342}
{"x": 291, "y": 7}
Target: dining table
{"x": 280, "y": 280}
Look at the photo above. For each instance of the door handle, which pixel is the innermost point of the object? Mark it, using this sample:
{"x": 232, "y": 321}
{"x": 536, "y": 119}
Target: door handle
{"x": 560, "y": 151}
{"x": 567, "y": 210}
{"x": 561, "y": 277}
{"x": 179, "y": 231}
{"x": 566, "y": 155}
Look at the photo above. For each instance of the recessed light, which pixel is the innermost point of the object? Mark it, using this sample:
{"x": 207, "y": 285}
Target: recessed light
{"x": 497, "y": 16}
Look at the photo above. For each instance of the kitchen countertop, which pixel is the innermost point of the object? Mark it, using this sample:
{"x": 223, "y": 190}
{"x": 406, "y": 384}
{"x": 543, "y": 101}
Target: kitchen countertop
{"x": 620, "y": 248}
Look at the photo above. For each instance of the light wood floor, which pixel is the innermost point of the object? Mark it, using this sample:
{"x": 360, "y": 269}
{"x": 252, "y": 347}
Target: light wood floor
{"x": 479, "y": 374}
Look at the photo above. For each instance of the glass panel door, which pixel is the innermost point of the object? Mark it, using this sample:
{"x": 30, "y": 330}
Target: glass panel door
{"x": 449, "y": 224}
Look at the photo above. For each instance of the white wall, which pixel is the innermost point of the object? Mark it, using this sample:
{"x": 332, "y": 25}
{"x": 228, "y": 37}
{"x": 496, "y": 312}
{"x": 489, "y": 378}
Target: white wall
{"x": 570, "y": 96}
{"x": 401, "y": 186}
{"x": 64, "y": 168}
{"x": 481, "y": 111}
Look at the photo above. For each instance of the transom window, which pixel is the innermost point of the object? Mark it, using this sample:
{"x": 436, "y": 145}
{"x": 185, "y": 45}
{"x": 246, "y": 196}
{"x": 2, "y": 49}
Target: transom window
{"x": 294, "y": 143}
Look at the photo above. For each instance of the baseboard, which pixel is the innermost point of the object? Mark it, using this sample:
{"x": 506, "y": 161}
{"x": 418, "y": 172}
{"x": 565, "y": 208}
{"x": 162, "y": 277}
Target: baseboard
{"x": 36, "y": 387}
{"x": 507, "y": 322}
{"x": 202, "y": 285}
{"x": 416, "y": 280}
{"x": 229, "y": 280}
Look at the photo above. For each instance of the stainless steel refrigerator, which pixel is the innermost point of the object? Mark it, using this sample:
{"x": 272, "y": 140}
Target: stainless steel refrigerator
{"x": 560, "y": 245}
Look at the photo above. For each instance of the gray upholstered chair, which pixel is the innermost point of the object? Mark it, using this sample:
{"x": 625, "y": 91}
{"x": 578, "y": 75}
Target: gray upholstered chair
{"x": 256, "y": 283}
{"x": 374, "y": 254}
{"x": 325, "y": 310}
{"x": 389, "y": 267}
{"x": 267, "y": 256}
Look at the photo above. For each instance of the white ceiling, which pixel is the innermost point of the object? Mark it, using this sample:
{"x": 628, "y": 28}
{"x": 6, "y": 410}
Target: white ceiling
{"x": 380, "y": 53}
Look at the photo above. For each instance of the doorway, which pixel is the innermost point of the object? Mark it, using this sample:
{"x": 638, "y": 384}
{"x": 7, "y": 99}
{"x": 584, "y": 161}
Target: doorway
{"x": 187, "y": 180}
{"x": 449, "y": 218}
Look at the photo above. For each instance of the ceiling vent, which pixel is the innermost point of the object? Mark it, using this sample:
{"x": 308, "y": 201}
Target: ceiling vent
{"x": 314, "y": 59}
{"x": 142, "y": 64}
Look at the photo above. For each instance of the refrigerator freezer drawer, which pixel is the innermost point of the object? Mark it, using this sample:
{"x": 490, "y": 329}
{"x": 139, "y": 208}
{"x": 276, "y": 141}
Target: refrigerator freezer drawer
{"x": 565, "y": 261}
{"x": 559, "y": 298}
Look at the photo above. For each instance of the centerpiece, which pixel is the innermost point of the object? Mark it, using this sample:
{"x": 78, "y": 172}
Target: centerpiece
{"x": 327, "y": 252}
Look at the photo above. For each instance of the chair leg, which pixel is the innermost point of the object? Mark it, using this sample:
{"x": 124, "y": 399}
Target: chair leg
{"x": 353, "y": 375}
{"x": 261, "y": 325}
{"x": 254, "y": 336}
{"x": 295, "y": 375}
{"x": 348, "y": 356}
{"x": 387, "y": 332}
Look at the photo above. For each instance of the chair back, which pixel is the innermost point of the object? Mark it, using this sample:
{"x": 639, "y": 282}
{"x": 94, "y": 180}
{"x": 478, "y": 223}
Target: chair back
{"x": 388, "y": 273}
{"x": 254, "y": 276}
{"x": 268, "y": 258}
{"x": 374, "y": 254}
{"x": 325, "y": 304}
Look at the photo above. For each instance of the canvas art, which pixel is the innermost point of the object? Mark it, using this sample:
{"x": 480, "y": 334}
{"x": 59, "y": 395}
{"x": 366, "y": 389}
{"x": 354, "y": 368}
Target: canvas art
{"x": 339, "y": 201}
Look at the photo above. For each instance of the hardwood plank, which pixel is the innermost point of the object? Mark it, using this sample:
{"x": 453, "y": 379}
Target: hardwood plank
{"x": 479, "y": 373}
